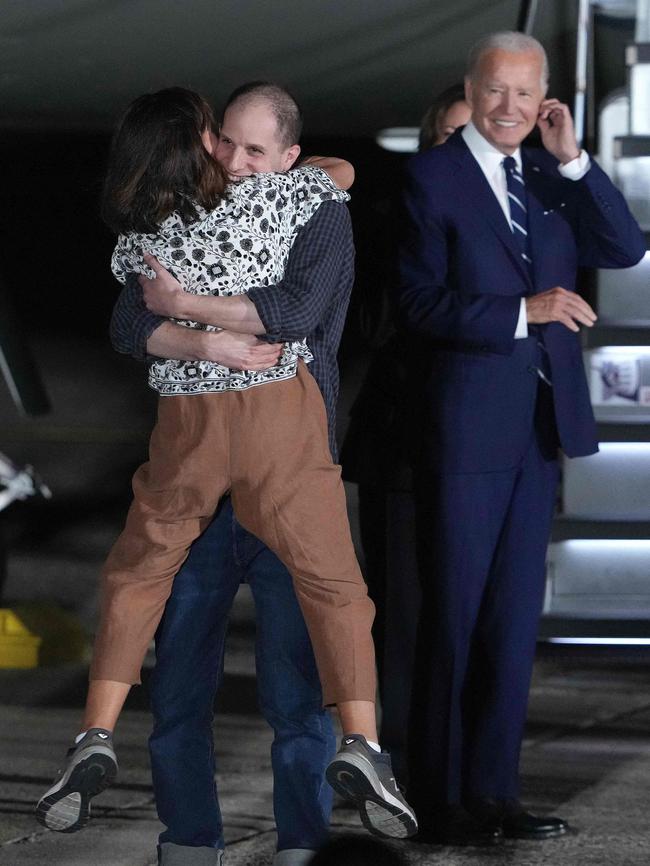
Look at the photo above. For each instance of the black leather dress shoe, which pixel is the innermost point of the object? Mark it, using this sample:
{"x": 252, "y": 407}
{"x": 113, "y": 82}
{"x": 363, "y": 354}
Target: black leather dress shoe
{"x": 514, "y": 820}
{"x": 455, "y": 826}
{"x": 517, "y": 823}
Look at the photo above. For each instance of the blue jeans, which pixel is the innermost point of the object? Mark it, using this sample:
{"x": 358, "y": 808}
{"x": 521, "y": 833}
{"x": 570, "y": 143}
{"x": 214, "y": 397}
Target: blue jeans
{"x": 189, "y": 669}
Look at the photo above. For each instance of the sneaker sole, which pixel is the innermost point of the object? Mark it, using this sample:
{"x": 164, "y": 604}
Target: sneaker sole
{"x": 381, "y": 813}
{"x": 65, "y": 808}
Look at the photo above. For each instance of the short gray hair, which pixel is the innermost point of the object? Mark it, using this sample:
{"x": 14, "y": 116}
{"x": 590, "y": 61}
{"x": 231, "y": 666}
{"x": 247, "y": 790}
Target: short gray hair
{"x": 506, "y": 40}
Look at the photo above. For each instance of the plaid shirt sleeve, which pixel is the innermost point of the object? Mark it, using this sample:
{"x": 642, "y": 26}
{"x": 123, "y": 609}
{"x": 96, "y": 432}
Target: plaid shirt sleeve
{"x": 132, "y": 323}
{"x": 292, "y": 308}
{"x": 289, "y": 310}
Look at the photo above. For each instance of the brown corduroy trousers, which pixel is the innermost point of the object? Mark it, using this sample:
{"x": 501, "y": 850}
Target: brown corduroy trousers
{"x": 268, "y": 446}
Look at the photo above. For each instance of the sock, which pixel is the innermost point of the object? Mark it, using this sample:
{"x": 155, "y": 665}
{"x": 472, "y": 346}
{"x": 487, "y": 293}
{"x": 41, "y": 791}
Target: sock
{"x": 79, "y": 737}
{"x": 374, "y": 745}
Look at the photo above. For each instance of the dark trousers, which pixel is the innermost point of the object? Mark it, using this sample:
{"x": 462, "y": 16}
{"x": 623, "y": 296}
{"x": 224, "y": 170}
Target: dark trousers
{"x": 387, "y": 522}
{"x": 189, "y": 669}
{"x": 482, "y": 543}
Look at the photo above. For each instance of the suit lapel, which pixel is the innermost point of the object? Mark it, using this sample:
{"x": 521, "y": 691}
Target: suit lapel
{"x": 474, "y": 188}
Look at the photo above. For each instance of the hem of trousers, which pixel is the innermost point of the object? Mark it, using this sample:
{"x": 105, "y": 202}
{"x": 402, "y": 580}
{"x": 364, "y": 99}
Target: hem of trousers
{"x": 116, "y": 677}
{"x": 331, "y": 699}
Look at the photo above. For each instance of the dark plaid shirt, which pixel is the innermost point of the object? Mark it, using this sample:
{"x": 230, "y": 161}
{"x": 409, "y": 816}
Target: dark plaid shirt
{"x": 311, "y": 301}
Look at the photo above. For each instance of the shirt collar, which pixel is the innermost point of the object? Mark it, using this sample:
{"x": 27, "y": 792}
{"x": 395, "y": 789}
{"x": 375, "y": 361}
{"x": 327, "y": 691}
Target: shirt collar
{"x": 486, "y": 154}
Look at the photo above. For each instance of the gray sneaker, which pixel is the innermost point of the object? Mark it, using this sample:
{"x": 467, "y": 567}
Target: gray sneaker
{"x": 90, "y": 767}
{"x": 359, "y": 773}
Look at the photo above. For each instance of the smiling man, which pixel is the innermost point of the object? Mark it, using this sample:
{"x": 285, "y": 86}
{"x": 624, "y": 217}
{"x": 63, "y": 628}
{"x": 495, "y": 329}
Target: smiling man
{"x": 488, "y": 278}
{"x": 247, "y": 139}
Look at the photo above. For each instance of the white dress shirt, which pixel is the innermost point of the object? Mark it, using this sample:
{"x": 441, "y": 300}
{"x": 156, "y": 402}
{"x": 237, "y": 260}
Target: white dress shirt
{"x": 490, "y": 161}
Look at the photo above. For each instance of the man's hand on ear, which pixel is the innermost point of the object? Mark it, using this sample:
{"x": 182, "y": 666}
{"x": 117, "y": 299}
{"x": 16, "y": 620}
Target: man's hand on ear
{"x": 558, "y": 133}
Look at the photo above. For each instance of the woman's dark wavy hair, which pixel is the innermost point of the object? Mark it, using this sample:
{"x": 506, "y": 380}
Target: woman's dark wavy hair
{"x": 158, "y": 163}
{"x": 429, "y": 128}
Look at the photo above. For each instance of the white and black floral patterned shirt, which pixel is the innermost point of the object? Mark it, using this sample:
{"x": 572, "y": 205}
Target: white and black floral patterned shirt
{"x": 243, "y": 242}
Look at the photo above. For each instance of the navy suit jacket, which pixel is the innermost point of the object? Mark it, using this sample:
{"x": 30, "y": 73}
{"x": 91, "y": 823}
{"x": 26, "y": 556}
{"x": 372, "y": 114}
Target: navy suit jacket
{"x": 461, "y": 282}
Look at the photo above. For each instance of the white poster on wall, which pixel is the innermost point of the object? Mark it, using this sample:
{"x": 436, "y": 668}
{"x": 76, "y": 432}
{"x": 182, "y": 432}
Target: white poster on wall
{"x": 619, "y": 376}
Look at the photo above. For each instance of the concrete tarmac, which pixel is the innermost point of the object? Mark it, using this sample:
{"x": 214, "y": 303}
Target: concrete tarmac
{"x": 586, "y": 754}
{"x": 586, "y": 757}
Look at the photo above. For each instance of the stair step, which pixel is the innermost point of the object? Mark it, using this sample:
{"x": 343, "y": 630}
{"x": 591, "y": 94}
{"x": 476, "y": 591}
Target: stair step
{"x": 639, "y": 90}
{"x": 637, "y": 52}
{"x": 632, "y": 174}
{"x": 599, "y": 576}
{"x": 618, "y": 332}
{"x": 625, "y": 294}
{"x": 631, "y": 146}
{"x": 611, "y": 485}
{"x": 566, "y": 528}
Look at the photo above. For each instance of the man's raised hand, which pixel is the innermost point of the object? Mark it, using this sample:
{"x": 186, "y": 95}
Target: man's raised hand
{"x": 559, "y": 305}
{"x": 558, "y": 134}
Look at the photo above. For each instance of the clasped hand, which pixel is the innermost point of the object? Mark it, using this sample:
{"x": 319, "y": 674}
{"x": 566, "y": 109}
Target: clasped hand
{"x": 164, "y": 296}
{"x": 242, "y": 351}
{"x": 559, "y": 305}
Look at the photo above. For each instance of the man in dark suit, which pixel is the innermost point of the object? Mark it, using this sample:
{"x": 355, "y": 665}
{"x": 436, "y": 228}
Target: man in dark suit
{"x": 488, "y": 269}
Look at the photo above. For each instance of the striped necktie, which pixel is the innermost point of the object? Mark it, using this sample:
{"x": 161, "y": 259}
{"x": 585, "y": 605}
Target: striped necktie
{"x": 519, "y": 224}
{"x": 517, "y": 204}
